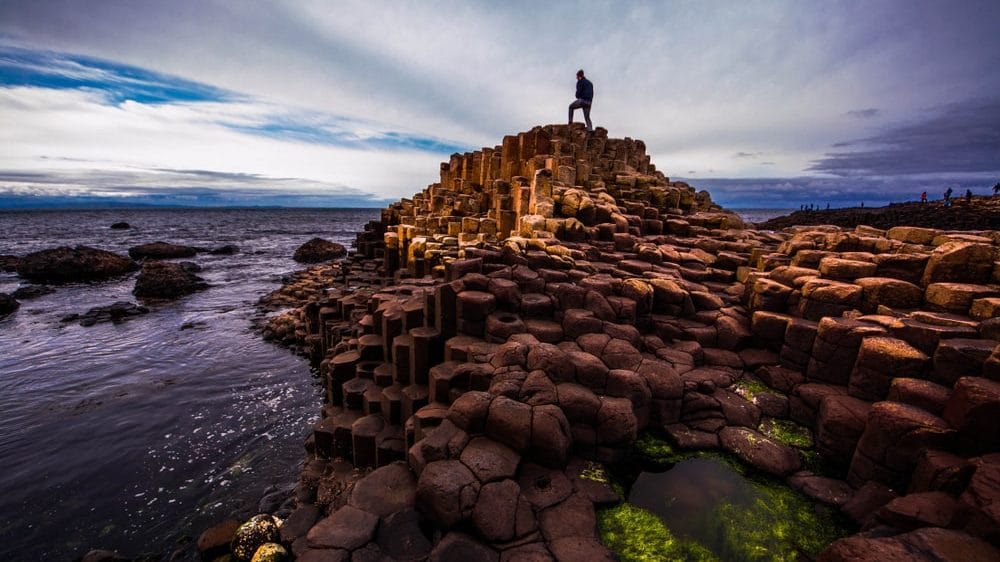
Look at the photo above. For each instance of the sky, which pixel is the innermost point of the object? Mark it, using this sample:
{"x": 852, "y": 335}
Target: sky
{"x": 769, "y": 104}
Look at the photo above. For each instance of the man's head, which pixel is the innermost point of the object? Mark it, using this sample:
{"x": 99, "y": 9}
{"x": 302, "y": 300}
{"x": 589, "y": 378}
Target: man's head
{"x": 579, "y": 74}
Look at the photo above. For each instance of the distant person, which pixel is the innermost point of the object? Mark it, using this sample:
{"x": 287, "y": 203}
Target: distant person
{"x": 827, "y": 206}
{"x": 923, "y": 198}
{"x": 862, "y": 204}
{"x": 584, "y": 98}
{"x": 947, "y": 195}
{"x": 968, "y": 196}
{"x": 996, "y": 189}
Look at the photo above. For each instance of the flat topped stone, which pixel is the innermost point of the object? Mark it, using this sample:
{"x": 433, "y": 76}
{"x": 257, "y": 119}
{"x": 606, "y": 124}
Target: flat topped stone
{"x": 760, "y": 451}
{"x": 386, "y": 490}
{"x": 489, "y": 460}
{"x": 347, "y": 528}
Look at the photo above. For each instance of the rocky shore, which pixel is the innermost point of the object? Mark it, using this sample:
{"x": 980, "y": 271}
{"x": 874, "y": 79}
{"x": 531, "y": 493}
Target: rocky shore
{"x": 497, "y": 346}
{"x": 981, "y": 213}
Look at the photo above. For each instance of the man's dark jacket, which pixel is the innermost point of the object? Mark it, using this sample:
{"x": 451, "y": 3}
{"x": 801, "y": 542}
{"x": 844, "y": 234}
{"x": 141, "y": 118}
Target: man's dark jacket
{"x": 584, "y": 90}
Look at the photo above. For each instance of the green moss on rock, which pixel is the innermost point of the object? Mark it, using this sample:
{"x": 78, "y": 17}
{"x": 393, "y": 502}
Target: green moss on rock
{"x": 257, "y": 531}
{"x": 637, "y": 535}
{"x": 270, "y": 552}
{"x": 787, "y": 432}
{"x": 778, "y": 525}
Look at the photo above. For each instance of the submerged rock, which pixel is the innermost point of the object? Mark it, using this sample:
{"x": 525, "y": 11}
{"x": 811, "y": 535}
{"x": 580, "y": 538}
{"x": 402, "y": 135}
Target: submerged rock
{"x": 32, "y": 291}
{"x": 117, "y": 312}
{"x": 161, "y": 251}
{"x": 317, "y": 250}
{"x": 67, "y": 265}
{"x": 162, "y": 280}
{"x": 121, "y": 226}
{"x": 227, "y": 250}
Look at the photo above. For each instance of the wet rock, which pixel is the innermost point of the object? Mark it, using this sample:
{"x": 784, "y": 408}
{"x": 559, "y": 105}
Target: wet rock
{"x": 319, "y": 250}
{"x": 116, "y": 312}
{"x": 759, "y": 451}
{"x": 8, "y": 304}
{"x": 164, "y": 280}
{"x": 161, "y": 251}
{"x": 67, "y": 265}
{"x": 32, "y": 291}
{"x": 347, "y": 528}
{"x": 941, "y": 545}
{"x": 227, "y": 250}
{"x": 214, "y": 541}
{"x": 249, "y": 536}
{"x": 271, "y": 552}
{"x": 122, "y": 225}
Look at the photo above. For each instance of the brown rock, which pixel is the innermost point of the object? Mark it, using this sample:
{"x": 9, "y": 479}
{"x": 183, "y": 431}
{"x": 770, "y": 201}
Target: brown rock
{"x": 509, "y": 422}
{"x": 447, "y": 492}
{"x": 963, "y": 262}
{"x": 490, "y": 461}
{"x": 550, "y": 435}
{"x": 347, "y": 528}
{"x": 886, "y": 291}
{"x": 214, "y": 541}
{"x": 973, "y": 410}
{"x": 575, "y": 549}
{"x": 317, "y": 250}
{"x": 940, "y": 545}
{"x": 68, "y": 265}
{"x": 924, "y": 509}
{"x": 839, "y": 426}
{"x": 573, "y": 517}
{"x": 401, "y": 537}
{"x": 386, "y": 490}
{"x": 459, "y": 547}
{"x": 941, "y": 471}
{"x": 956, "y": 297}
{"x": 893, "y": 440}
{"x": 543, "y": 487}
{"x": 880, "y": 359}
{"x": 961, "y": 357}
{"x": 760, "y": 451}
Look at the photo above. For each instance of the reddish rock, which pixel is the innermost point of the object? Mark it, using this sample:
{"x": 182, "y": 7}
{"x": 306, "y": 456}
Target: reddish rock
{"x": 460, "y": 547}
{"x": 543, "y": 487}
{"x": 509, "y": 422}
{"x": 920, "y": 393}
{"x": 822, "y": 489}
{"x": 759, "y": 451}
{"x": 550, "y": 435}
{"x": 940, "y": 545}
{"x": 575, "y": 549}
{"x": 839, "y": 426}
{"x": 941, "y": 471}
{"x": 347, "y": 528}
{"x": 881, "y": 359}
{"x": 924, "y": 509}
{"x": 973, "y": 409}
{"x": 961, "y": 357}
{"x": 616, "y": 422}
{"x": 490, "y": 461}
{"x": 573, "y": 517}
{"x": 401, "y": 537}
{"x": 447, "y": 491}
{"x": 386, "y": 490}
{"x": 579, "y": 404}
{"x": 495, "y": 514}
{"x": 549, "y": 358}
{"x": 866, "y": 500}
{"x": 214, "y": 541}
{"x": 316, "y": 250}
{"x": 982, "y": 500}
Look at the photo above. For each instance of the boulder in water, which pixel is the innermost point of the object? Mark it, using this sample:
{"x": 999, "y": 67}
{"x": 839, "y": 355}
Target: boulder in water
{"x": 66, "y": 265}
{"x": 8, "y": 263}
{"x": 8, "y": 304}
{"x": 117, "y": 312}
{"x": 317, "y": 250}
{"x": 161, "y": 251}
{"x": 227, "y": 250}
{"x": 121, "y": 226}
{"x": 163, "y": 280}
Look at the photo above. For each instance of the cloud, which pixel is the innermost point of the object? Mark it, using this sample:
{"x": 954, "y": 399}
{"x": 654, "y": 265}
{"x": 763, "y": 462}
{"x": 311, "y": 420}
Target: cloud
{"x": 960, "y": 138}
{"x": 863, "y": 113}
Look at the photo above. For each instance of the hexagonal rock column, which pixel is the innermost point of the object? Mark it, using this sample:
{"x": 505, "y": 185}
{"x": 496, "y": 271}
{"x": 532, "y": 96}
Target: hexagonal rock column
{"x": 880, "y": 360}
{"x": 894, "y": 438}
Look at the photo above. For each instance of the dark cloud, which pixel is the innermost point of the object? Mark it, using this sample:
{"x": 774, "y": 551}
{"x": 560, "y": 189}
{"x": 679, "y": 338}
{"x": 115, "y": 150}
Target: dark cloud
{"x": 958, "y": 138}
{"x": 864, "y": 113}
{"x": 789, "y": 193}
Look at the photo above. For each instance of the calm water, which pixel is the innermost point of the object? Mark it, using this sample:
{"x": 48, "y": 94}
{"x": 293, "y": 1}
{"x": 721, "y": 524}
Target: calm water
{"x": 133, "y": 436}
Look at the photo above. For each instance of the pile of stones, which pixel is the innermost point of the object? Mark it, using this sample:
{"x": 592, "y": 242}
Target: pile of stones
{"x": 495, "y": 341}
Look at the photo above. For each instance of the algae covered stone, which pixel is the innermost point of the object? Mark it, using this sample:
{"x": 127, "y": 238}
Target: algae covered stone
{"x": 257, "y": 531}
{"x": 270, "y": 552}
{"x": 637, "y": 535}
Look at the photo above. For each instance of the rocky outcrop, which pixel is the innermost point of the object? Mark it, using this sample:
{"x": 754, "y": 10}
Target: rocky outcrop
{"x": 116, "y": 313}
{"x": 165, "y": 280}
{"x": 505, "y": 334}
{"x": 68, "y": 265}
{"x": 319, "y": 250}
{"x": 161, "y": 251}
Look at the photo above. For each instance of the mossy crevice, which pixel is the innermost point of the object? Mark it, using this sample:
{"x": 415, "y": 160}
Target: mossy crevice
{"x": 638, "y": 535}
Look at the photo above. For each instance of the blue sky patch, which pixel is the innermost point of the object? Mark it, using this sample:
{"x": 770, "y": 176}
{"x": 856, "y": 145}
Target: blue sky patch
{"x": 118, "y": 82}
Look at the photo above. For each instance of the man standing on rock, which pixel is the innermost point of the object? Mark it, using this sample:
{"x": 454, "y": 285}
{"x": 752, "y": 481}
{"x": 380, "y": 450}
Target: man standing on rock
{"x": 584, "y": 97}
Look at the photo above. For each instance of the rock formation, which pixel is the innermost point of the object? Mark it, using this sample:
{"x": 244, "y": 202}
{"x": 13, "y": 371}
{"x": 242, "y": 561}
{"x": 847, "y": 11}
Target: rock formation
{"x": 511, "y": 329}
{"x": 317, "y": 250}
{"x": 67, "y": 265}
{"x": 165, "y": 280}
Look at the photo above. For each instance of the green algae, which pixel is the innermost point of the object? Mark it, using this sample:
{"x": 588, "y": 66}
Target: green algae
{"x": 748, "y": 388}
{"x": 774, "y": 524}
{"x": 638, "y": 535}
{"x": 778, "y": 525}
{"x": 787, "y": 432}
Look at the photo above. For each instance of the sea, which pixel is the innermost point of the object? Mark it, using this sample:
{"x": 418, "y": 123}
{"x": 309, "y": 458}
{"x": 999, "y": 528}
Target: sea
{"x": 139, "y": 435}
